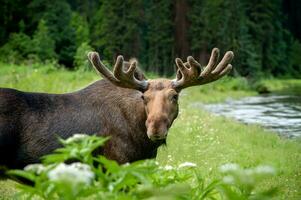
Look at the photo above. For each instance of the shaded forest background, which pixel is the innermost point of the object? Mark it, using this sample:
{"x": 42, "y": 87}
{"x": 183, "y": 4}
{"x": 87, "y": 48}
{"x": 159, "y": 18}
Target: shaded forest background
{"x": 264, "y": 35}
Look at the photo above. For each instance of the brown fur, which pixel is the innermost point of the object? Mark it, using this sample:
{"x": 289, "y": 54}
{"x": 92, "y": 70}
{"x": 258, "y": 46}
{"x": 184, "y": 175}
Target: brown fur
{"x": 30, "y": 123}
{"x": 161, "y": 108}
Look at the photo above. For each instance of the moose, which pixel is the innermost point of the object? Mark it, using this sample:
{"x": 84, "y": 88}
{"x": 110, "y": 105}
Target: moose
{"x": 134, "y": 112}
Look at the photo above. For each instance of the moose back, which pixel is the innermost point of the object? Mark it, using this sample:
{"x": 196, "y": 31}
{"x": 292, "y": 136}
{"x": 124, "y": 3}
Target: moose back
{"x": 135, "y": 112}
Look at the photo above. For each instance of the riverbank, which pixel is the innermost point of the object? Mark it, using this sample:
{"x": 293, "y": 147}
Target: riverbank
{"x": 210, "y": 141}
{"x": 196, "y": 136}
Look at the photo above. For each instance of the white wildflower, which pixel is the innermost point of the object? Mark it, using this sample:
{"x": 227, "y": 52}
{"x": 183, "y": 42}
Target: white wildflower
{"x": 73, "y": 173}
{"x": 168, "y": 167}
{"x": 187, "y": 164}
{"x": 36, "y": 168}
{"x": 228, "y": 180}
{"x": 249, "y": 172}
{"x": 265, "y": 169}
{"x": 76, "y": 138}
{"x": 229, "y": 167}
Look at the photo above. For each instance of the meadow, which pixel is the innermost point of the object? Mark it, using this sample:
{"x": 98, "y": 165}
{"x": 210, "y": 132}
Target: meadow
{"x": 196, "y": 136}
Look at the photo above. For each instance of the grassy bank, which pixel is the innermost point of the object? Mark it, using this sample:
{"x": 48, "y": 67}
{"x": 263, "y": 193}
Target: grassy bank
{"x": 210, "y": 141}
{"x": 196, "y": 136}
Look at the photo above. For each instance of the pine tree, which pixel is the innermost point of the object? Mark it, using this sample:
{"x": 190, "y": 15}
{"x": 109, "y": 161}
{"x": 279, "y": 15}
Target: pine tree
{"x": 80, "y": 58}
{"x": 159, "y": 36}
{"x": 43, "y": 45}
{"x": 81, "y": 26}
{"x": 58, "y": 20}
{"x": 115, "y": 28}
{"x": 269, "y": 35}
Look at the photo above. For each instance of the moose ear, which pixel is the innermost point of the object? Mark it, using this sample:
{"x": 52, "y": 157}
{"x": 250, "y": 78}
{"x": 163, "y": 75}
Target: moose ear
{"x": 138, "y": 72}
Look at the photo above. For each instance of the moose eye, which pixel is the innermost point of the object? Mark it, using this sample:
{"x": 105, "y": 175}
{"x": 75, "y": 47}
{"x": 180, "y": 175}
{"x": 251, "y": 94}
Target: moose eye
{"x": 174, "y": 97}
{"x": 145, "y": 99}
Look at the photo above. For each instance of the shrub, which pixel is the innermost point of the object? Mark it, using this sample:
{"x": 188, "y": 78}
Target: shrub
{"x": 17, "y": 49}
{"x": 80, "y": 58}
{"x": 95, "y": 177}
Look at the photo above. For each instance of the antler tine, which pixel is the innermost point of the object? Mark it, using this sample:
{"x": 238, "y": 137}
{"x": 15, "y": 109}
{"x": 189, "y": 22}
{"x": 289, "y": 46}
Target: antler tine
{"x": 119, "y": 77}
{"x": 100, "y": 67}
{"x": 191, "y": 73}
{"x": 118, "y": 67}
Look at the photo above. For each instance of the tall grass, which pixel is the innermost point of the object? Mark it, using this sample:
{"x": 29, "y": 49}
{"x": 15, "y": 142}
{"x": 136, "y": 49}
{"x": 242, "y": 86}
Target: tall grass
{"x": 196, "y": 136}
{"x": 36, "y": 78}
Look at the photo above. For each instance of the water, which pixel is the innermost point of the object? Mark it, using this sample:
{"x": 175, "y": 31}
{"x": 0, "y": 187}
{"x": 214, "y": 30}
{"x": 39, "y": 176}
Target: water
{"x": 280, "y": 113}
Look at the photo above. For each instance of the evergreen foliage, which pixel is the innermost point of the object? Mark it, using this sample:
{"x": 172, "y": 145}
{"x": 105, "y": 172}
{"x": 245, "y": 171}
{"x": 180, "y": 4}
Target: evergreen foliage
{"x": 81, "y": 26}
{"x": 58, "y": 18}
{"x": 80, "y": 58}
{"x": 116, "y": 28}
{"x": 43, "y": 45}
{"x": 159, "y": 41}
{"x": 16, "y": 50}
{"x": 264, "y": 35}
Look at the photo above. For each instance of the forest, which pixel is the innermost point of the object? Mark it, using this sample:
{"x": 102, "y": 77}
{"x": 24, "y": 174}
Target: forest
{"x": 264, "y": 35}
{"x": 237, "y": 138}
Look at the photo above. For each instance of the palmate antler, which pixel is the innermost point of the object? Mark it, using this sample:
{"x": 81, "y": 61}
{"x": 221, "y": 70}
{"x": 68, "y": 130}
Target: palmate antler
{"x": 119, "y": 77}
{"x": 191, "y": 73}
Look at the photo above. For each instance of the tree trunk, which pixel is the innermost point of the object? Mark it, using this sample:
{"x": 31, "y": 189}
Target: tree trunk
{"x": 181, "y": 29}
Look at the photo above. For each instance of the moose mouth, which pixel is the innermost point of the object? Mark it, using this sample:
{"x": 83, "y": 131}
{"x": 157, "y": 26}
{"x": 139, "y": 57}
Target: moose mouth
{"x": 157, "y": 137}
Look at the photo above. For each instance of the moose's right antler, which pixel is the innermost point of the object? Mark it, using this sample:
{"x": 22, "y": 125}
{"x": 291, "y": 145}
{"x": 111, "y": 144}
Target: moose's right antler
{"x": 191, "y": 73}
{"x": 119, "y": 77}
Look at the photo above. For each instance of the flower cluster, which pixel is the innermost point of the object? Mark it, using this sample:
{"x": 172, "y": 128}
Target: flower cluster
{"x": 35, "y": 168}
{"x": 234, "y": 174}
{"x": 181, "y": 166}
{"x": 73, "y": 173}
{"x": 76, "y": 138}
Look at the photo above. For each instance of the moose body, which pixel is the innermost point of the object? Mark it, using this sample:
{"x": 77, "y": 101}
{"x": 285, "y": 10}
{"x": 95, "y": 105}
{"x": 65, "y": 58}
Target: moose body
{"x": 134, "y": 112}
{"x": 30, "y": 123}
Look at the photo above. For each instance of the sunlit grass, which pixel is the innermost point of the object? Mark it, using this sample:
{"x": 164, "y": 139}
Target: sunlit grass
{"x": 196, "y": 136}
{"x": 210, "y": 141}
{"x": 7, "y": 189}
{"x": 283, "y": 86}
{"x": 44, "y": 79}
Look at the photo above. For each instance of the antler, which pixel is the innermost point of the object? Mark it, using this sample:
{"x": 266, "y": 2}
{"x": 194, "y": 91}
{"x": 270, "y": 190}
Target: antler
{"x": 191, "y": 73}
{"x": 119, "y": 77}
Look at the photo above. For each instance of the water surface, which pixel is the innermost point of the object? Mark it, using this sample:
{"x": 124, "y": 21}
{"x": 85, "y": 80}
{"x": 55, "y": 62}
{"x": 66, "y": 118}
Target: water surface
{"x": 280, "y": 113}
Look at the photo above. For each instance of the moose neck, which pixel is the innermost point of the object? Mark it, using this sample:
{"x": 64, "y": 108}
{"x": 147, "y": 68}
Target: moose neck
{"x": 123, "y": 111}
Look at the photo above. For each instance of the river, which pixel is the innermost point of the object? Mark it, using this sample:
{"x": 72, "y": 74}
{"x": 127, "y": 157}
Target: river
{"x": 280, "y": 113}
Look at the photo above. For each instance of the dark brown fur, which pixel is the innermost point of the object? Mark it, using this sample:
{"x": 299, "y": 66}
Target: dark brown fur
{"x": 30, "y": 123}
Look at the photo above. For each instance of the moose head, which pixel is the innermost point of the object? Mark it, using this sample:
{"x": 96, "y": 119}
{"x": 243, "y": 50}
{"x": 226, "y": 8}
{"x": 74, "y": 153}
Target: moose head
{"x": 160, "y": 96}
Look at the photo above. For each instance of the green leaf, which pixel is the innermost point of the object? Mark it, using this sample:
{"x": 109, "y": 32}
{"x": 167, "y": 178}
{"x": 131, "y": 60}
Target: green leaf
{"x": 23, "y": 174}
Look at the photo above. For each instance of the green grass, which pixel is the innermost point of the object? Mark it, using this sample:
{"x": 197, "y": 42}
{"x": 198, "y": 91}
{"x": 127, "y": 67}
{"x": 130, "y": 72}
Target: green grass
{"x": 283, "y": 86}
{"x": 44, "y": 79}
{"x": 196, "y": 136}
{"x": 211, "y": 141}
{"x": 7, "y": 189}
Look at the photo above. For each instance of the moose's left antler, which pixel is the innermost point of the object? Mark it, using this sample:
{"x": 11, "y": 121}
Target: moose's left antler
{"x": 191, "y": 73}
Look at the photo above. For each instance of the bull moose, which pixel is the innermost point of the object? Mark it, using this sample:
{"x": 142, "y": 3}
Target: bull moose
{"x": 135, "y": 112}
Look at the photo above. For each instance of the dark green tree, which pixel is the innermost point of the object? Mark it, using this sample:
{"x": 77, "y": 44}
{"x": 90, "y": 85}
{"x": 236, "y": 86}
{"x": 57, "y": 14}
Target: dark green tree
{"x": 17, "y": 49}
{"x": 43, "y": 44}
{"x": 159, "y": 37}
{"x": 268, "y": 35}
{"x": 81, "y": 26}
{"x": 58, "y": 20}
{"x": 115, "y": 28}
